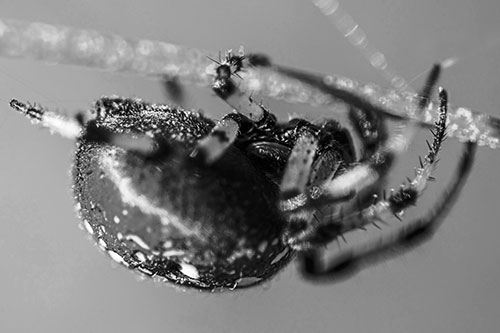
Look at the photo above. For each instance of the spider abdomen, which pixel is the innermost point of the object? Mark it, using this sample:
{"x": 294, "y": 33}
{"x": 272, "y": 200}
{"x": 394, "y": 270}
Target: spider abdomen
{"x": 209, "y": 227}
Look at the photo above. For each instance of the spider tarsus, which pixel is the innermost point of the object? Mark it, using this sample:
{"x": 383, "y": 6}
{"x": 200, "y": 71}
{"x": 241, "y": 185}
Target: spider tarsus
{"x": 432, "y": 79}
{"x": 32, "y": 111}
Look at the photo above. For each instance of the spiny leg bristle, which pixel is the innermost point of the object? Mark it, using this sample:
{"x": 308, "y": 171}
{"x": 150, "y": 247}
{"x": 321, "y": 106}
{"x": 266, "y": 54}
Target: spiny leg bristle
{"x": 397, "y": 201}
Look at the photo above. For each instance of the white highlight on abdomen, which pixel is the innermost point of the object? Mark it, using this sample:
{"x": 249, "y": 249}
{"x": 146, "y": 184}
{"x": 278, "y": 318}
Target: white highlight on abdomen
{"x": 130, "y": 196}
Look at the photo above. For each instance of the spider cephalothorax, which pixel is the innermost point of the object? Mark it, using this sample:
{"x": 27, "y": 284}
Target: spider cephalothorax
{"x": 174, "y": 195}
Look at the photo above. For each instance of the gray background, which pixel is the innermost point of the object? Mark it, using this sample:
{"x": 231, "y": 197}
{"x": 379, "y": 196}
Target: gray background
{"x": 54, "y": 280}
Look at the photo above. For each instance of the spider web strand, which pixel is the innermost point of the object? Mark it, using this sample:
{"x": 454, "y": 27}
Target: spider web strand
{"x": 88, "y": 48}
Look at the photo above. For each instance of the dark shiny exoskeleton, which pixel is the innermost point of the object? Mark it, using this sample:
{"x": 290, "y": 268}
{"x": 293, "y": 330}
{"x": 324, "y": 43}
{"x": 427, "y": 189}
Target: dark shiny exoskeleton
{"x": 232, "y": 227}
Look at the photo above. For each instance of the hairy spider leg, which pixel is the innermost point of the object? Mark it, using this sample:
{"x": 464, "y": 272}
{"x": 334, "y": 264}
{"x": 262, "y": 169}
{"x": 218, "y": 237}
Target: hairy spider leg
{"x": 296, "y": 197}
{"x": 211, "y": 147}
{"x": 365, "y": 173}
{"x": 369, "y": 127}
{"x": 227, "y": 129}
{"x": 328, "y": 85}
{"x": 348, "y": 258}
{"x": 381, "y": 209}
{"x": 68, "y": 127}
{"x": 369, "y": 169}
{"x": 298, "y": 169}
{"x": 303, "y": 172}
{"x": 75, "y": 127}
{"x": 225, "y": 132}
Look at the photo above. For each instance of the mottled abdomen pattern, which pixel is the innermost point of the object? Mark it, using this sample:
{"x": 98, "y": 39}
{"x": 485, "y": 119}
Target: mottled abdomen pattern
{"x": 172, "y": 217}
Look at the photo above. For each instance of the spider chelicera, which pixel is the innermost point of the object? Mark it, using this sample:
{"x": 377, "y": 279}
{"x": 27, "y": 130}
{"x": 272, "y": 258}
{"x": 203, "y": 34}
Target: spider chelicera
{"x": 227, "y": 204}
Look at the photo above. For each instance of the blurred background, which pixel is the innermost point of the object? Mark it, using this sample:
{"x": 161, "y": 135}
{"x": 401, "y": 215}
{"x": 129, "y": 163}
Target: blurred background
{"x": 55, "y": 280}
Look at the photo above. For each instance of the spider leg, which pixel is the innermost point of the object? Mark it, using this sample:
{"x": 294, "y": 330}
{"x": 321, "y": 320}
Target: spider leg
{"x": 301, "y": 171}
{"x": 211, "y": 147}
{"x": 304, "y": 171}
{"x": 370, "y": 128}
{"x": 225, "y": 87}
{"x": 141, "y": 144}
{"x": 174, "y": 90}
{"x": 76, "y": 127}
{"x": 349, "y": 258}
{"x": 372, "y": 131}
{"x": 338, "y": 90}
{"x": 301, "y": 200}
{"x": 380, "y": 210}
{"x": 370, "y": 169}
{"x": 68, "y": 127}
{"x": 227, "y": 129}
{"x": 225, "y": 132}
{"x": 299, "y": 165}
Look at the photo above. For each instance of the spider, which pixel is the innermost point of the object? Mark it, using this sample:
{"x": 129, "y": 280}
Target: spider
{"x": 222, "y": 205}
